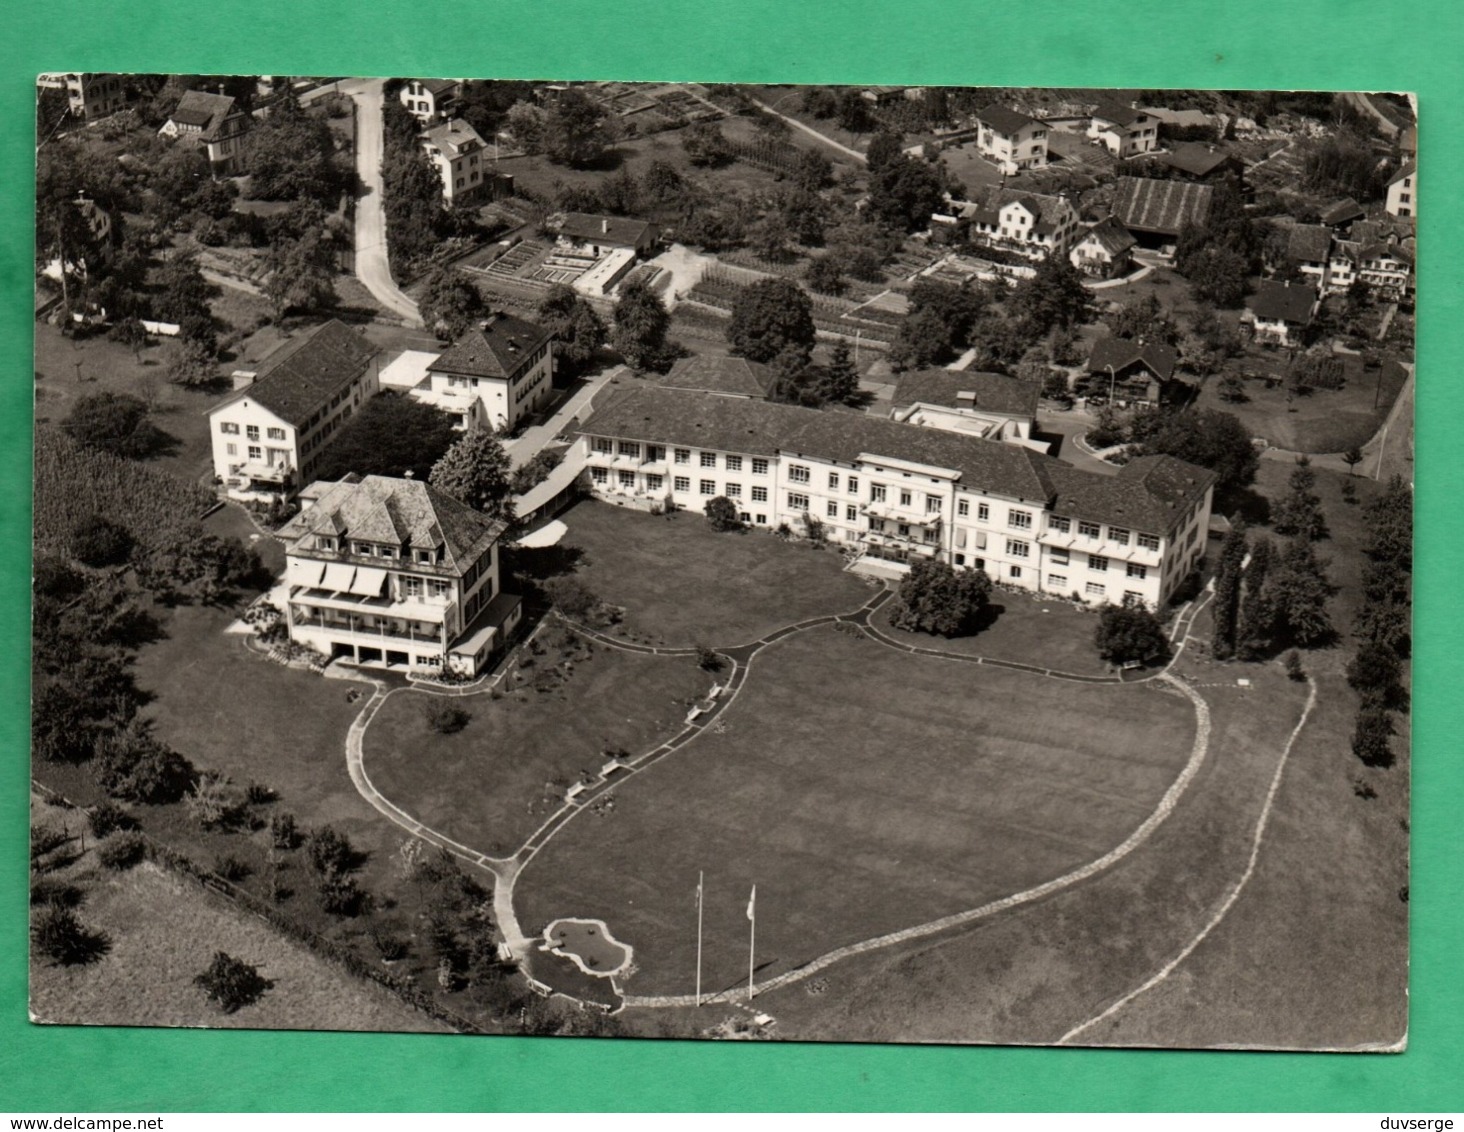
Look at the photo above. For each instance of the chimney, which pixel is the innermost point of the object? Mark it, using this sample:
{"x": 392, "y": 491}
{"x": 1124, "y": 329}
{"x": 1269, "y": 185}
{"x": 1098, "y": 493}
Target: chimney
{"x": 408, "y": 474}
{"x": 604, "y": 225}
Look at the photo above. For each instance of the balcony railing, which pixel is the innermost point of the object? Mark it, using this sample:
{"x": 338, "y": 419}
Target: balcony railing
{"x": 355, "y": 626}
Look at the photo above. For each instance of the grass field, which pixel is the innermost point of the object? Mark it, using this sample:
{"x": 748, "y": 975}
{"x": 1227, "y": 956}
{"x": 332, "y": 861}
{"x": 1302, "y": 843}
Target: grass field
{"x": 164, "y": 931}
{"x": 492, "y": 784}
{"x": 683, "y": 583}
{"x": 855, "y": 821}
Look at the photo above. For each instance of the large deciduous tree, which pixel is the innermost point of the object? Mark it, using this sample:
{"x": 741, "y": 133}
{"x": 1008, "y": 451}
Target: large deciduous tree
{"x": 390, "y": 435}
{"x": 300, "y": 274}
{"x": 476, "y": 471}
{"x": 1053, "y": 297}
{"x": 576, "y": 130}
{"x": 936, "y": 598}
{"x": 769, "y": 316}
{"x": 1129, "y": 633}
{"x": 448, "y": 303}
{"x": 578, "y": 330}
{"x": 1206, "y": 437}
{"x": 113, "y": 422}
{"x": 641, "y": 323}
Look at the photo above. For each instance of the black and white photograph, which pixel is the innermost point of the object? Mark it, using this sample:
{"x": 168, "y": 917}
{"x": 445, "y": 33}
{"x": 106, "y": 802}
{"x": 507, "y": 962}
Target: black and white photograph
{"x": 898, "y": 564}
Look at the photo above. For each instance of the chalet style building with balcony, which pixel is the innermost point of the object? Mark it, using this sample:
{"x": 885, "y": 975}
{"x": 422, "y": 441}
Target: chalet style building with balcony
{"x": 1031, "y": 225}
{"x": 269, "y": 435}
{"x": 430, "y": 100}
{"x": 1124, "y": 131}
{"x": 1011, "y": 140}
{"x": 392, "y": 573}
{"x": 895, "y": 492}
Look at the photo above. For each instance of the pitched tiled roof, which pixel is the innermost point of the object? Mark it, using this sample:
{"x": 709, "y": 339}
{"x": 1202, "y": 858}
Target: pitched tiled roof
{"x": 452, "y": 138}
{"x": 1149, "y": 494}
{"x": 397, "y": 512}
{"x": 1118, "y": 115}
{"x": 962, "y": 389}
{"x": 202, "y": 109}
{"x": 1408, "y": 140}
{"x": 496, "y": 347}
{"x": 1111, "y": 236}
{"x": 605, "y": 229}
{"x": 1121, "y": 353}
{"x": 1291, "y": 302}
{"x": 1340, "y": 212}
{"x": 1195, "y": 158}
{"x": 1143, "y": 204}
{"x": 1047, "y": 209}
{"x": 1407, "y": 171}
{"x": 439, "y": 86}
{"x": 734, "y": 376}
{"x": 300, "y": 376}
{"x": 1309, "y": 243}
{"x": 696, "y": 420}
{"x": 1387, "y": 251}
{"x": 1004, "y": 121}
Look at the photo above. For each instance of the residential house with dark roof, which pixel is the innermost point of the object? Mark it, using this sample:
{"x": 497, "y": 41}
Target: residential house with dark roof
{"x": 989, "y": 405}
{"x": 215, "y": 122}
{"x": 1342, "y": 212}
{"x": 725, "y": 376}
{"x": 460, "y": 158}
{"x": 1105, "y": 250}
{"x": 896, "y": 492}
{"x": 1386, "y": 267}
{"x": 89, "y": 96}
{"x": 393, "y": 573}
{"x": 1200, "y": 161}
{"x": 1013, "y": 141}
{"x": 1279, "y": 313}
{"x": 1125, "y": 131}
{"x": 1156, "y": 211}
{"x": 1309, "y": 251}
{"x": 269, "y": 435}
{"x": 505, "y": 363}
{"x": 1402, "y": 195}
{"x": 1131, "y": 371}
{"x": 1034, "y": 225}
{"x": 597, "y": 235}
{"x": 431, "y": 100}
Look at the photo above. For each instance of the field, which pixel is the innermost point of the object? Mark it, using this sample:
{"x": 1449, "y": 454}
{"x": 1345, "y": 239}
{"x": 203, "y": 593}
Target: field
{"x": 855, "y": 820}
{"x": 682, "y": 583}
{"x": 164, "y": 931}
{"x": 491, "y": 784}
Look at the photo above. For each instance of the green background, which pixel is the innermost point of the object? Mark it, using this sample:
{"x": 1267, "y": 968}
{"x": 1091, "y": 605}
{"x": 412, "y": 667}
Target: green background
{"x": 1322, "y": 44}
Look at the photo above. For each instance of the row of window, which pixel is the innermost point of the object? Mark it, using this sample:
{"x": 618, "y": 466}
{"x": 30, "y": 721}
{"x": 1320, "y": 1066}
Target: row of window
{"x": 377, "y": 550}
{"x": 229, "y": 428}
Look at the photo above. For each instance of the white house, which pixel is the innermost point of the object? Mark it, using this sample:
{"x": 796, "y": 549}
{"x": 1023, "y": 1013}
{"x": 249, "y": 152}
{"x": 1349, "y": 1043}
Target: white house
{"x": 1279, "y": 313}
{"x": 1033, "y": 225}
{"x": 1011, "y": 139}
{"x": 215, "y": 122}
{"x": 458, "y": 154}
{"x": 504, "y": 363}
{"x": 90, "y": 96}
{"x": 896, "y": 492}
{"x": 1402, "y": 199}
{"x": 1124, "y": 130}
{"x": 430, "y": 100}
{"x": 268, "y": 437}
{"x": 393, "y": 573}
{"x": 1105, "y": 250}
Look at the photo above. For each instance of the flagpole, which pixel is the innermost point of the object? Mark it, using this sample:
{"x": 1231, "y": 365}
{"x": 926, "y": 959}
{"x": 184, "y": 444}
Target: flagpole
{"x": 751, "y": 941}
{"x": 698, "y": 936}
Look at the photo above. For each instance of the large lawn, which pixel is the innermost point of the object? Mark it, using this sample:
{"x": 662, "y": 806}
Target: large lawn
{"x": 492, "y": 784}
{"x": 855, "y": 820}
{"x": 683, "y": 583}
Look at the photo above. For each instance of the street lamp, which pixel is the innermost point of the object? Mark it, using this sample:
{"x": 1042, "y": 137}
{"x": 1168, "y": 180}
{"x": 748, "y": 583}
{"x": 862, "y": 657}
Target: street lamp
{"x": 1111, "y": 379}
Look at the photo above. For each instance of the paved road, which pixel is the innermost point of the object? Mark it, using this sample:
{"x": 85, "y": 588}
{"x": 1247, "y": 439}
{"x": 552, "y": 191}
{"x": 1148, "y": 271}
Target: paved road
{"x": 372, "y": 266}
{"x": 811, "y": 132}
{"x": 528, "y": 444}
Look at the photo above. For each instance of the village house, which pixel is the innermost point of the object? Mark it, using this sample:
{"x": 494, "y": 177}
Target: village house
{"x": 1137, "y": 372}
{"x": 431, "y": 100}
{"x": 1402, "y": 197}
{"x": 1105, "y": 250}
{"x": 393, "y": 573}
{"x": 1387, "y": 269}
{"x": 1124, "y": 130}
{"x": 724, "y": 376}
{"x": 1010, "y": 139}
{"x": 1156, "y": 211}
{"x": 896, "y": 492}
{"x": 505, "y": 363}
{"x": 1200, "y": 161}
{"x": 989, "y": 405}
{"x": 457, "y": 153}
{"x": 1279, "y": 313}
{"x": 881, "y": 96}
{"x": 1309, "y": 251}
{"x": 89, "y": 96}
{"x": 1333, "y": 265}
{"x": 1033, "y": 225}
{"x": 1340, "y": 213}
{"x": 599, "y": 235}
{"x": 269, "y": 435}
{"x": 214, "y": 121}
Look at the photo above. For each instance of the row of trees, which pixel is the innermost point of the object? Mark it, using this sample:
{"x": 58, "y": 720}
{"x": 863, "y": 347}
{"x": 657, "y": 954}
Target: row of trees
{"x": 417, "y": 221}
{"x": 1382, "y": 623}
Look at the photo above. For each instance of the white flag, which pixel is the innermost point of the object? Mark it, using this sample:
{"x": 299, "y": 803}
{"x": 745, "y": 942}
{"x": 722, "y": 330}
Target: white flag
{"x": 751, "y": 903}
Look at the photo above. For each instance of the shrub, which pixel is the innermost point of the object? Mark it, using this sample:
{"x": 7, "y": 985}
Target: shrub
{"x": 389, "y": 945}
{"x": 722, "y": 514}
{"x": 123, "y": 851}
{"x": 283, "y": 832}
{"x": 445, "y": 718}
{"x": 1370, "y": 737}
{"x": 258, "y": 794}
{"x": 330, "y": 852}
{"x": 98, "y": 541}
{"x": 340, "y": 895}
{"x": 108, "y": 817}
{"x": 136, "y": 768}
{"x": 231, "y": 868}
{"x": 60, "y": 936}
{"x": 44, "y": 838}
{"x": 232, "y": 983}
{"x": 45, "y": 891}
{"x": 1126, "y": 634}
{"x": 1294, "y": 671}
{"x": 215, "y": 804}
{"x": 707, "y": 659}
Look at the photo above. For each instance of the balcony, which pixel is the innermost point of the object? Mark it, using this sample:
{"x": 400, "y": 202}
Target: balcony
{"x": 351, "y": 625}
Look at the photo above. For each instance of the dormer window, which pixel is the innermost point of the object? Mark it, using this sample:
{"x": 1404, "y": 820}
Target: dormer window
{"x": 424, "y": 556}
{"x": 388, "y": 552}
{"x": 363, "y": 548}
{"x": 325, "y": 542}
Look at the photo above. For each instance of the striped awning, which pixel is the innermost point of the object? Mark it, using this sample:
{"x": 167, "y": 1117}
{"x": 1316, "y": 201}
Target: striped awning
{"x": 368, "y": 581}
{"x": 304, "y": 572}
{"x": 338, "y": 578}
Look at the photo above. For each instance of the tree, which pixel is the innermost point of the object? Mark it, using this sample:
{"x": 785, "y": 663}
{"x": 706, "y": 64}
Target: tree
{"x": 1217, "y": 275}
{"x": 812, "y": 172}
{"x": 1232, "y": 389}
{"x": 885, "y": 149}
{"x": 476, "y": 471}
{"x": 98, "y": 541}
{"x": 771, "y": 236}
{"x": 1370, "y": 737}
{"x": 576, "y": 130}
{"x": 1054, "y": 296}
{"x": 791, "y": 383}
{"x": 839, "y": 383}
{"x": 922, "y": 340}
{"x": 526, "y": 124}
{"x": 722, "y": 514}
{"x": 290, "y": 155}
{"x": 1390, "y": 525}
{"x": 132, "y": 765}
{"x": 1299, "y": 593}
{"x": 705, "y": 146}
{"x": 1352, "y": 457}
{"x": 768, "y": 316}
{"x": 1144, "y": 319}
{"x": 131, "y": 333}
{"x": 113, "y": 422}
{"x": 853, "y": 112}
{"x": 1206, "y": 437}
{"x": 1254, "y": 625}
{"x": 57, "y": 933}
{"x": 1227, "y": 592}
{"x": 662, "y": 182}
{"x": 578, "y": 330}
{"x": 300, "y": 274}
{"x": 1127, "y": 633}
{"x": 824, "y": 275}
{"x": 641, "y": 322}
{"x": 232, "y": 983}
{"x": 192, "y": 566}
{"x": 903, "y": 194}
{"x": 183, "y": 291}
{"x": 448, "y": 303}
{"x": 189, "y": 363}
{"x": 936, "y": 598}
{"x": 1376, "y": 674}
{"x": 390, "y": 435}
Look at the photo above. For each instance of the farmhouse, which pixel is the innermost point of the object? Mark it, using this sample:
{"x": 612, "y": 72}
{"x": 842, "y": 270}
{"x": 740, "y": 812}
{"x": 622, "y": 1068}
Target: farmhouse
{"x": 457, "y": 153}
{"x": 1138, "y": 372}
{"x": 1402, "y": 198}
{"x": 1279, "y": 313}
{"x": 505, "y": 363}
{"x": 1123, "y": 130}
{"x": 1342, "y": 212}
{"x": 895, "y": 492}
{"x": 1309, "y": 249}
{"x": 989, "y": 405}
{"x": 215, "y": 122}
{"x": 430, "y": 100}
{"x": 1157, "y": 211}
{"x": 1034, "y": 225}
{"x": 393, "y": 573}
{"x": 1012, "y": 140}
{"x": 1105, "y": 250}
{"x": 268, "y": 436}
